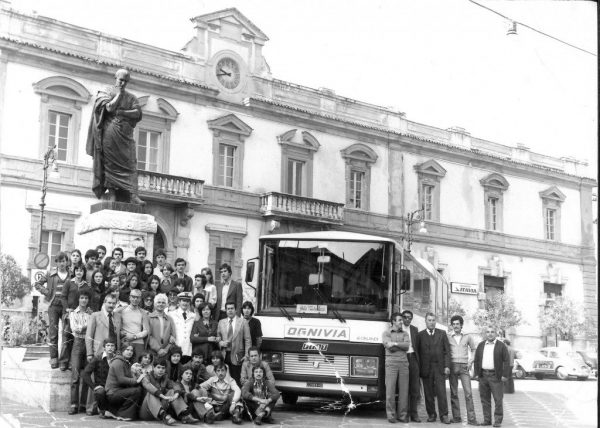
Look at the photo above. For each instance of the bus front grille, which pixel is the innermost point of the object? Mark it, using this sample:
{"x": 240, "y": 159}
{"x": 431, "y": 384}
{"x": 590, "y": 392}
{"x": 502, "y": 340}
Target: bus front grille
{"x": 315, "y": 364}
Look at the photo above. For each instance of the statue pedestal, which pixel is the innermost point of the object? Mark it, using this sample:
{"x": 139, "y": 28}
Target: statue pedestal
{"x": 117, "y": 224}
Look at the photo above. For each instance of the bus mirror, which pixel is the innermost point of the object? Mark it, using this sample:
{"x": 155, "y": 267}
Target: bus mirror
{"x": 324, "y": 259}
{"x": 315, "y": 279}
{"x": 250, "y": 271}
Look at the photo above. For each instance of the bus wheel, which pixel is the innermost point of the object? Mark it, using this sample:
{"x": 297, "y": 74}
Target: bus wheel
{"x": 289, "y": 398}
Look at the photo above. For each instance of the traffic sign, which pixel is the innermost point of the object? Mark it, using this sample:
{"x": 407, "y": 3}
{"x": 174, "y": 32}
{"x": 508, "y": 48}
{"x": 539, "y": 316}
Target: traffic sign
{"x": 41, "y": 260}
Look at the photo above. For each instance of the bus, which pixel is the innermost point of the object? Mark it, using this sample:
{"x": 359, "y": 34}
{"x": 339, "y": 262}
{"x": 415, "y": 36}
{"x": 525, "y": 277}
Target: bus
{"x": 324, "y": 299}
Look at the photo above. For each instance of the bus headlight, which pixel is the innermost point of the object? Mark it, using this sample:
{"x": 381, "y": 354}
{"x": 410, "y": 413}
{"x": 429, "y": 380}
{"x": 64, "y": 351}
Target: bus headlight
{"x": 364, "y": 366}
{"x": 274, "y": 359}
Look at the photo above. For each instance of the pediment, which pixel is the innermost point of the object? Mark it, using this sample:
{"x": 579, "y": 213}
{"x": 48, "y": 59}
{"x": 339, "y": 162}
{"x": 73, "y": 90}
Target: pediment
{"x": 495, "y": 180}
{"x": 63, "y": 87}
{"x": 308, "y": 141}
{"x": 230, "y": 123}
{"x": 158, "y": 107}
{"x": 430, "y": 167}
{"x": 360, "y": 152}
{"x": 230, "y": 16}
{"x": 553, "y": 193}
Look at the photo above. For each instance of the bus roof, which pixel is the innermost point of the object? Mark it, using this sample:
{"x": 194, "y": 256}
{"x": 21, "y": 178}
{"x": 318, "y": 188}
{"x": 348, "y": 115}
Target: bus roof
{"x": 333, "y": 235}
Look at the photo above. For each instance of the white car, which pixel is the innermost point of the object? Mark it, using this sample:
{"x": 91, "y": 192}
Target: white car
{"x": 532, "y": 363}
{"x": 566, "y": 363}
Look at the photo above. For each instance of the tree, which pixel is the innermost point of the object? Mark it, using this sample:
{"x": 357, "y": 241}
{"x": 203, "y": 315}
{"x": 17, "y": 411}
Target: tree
{"x": 12, "y": 280}
{"x": 456, "y": 308}
{"x": 500, "y": 312}
{"x": 564, "y": 317}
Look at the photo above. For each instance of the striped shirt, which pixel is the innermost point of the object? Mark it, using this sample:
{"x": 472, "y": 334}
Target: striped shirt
{"x": 79, "y": 321}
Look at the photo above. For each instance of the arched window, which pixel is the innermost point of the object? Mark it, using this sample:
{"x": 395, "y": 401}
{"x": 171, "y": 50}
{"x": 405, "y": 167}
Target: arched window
{"x": 359, "y": 158}
{"x": 153, "y": 134}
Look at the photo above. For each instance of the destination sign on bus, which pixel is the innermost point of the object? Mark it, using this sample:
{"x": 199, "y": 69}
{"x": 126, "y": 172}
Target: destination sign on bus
{"x": 311, "y": 309}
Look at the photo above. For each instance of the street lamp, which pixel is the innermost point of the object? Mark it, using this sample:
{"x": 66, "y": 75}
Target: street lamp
{"x": 49, "y": 159}
{"x": 413, "y": 217}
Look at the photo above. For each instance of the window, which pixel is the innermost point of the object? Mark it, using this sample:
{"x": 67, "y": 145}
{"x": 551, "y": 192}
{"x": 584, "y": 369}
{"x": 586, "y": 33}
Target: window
{"x": 61, "y": 100}
{"x": 296, "y": 162}
{"x": 550, "y": 223}
{"x": 552, "y": 290}
{"x": 427, "y": 201}
{"x": 494, "y": 186}
{"x": 552, "y": 199}
{"x": 224, "y": 255}
{"x": 153, "y": 134}
{"x": 429, "y": 175}
{"x": 493, "y": 285}
{"x": 148, "y": 146}
{"x": 225, "y": 246}
{"x": 52, "y": 241}
{"x": 359, "y": 158}
{"x": 357, "y": 179}
{"x": 229, "y": 134}
{"x": 295, "y": 177}
{"x": 226, "y": 165}
{"x": 58, "y": 133}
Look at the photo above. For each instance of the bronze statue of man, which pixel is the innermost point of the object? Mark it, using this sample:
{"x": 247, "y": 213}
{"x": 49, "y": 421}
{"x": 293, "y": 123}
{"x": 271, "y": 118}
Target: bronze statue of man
{"x": 110, "y": 142}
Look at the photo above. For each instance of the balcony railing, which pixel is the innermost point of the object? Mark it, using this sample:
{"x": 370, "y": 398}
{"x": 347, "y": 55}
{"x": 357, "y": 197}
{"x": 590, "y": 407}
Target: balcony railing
{"x": 299, "y": 207}
{"x": 164, "y": 187}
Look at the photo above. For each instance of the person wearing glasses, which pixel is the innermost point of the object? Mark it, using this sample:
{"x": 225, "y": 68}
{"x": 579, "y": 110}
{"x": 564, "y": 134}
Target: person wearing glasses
{"x": 412, "y": 354}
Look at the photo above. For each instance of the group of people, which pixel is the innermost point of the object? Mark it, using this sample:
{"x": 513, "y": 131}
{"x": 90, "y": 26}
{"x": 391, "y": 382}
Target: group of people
{"x": 431, "y": 355}
{"x": 144, "y": 340}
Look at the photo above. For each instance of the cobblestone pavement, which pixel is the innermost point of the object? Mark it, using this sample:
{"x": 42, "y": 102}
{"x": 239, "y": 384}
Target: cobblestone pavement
{"x": 547, "y": 403}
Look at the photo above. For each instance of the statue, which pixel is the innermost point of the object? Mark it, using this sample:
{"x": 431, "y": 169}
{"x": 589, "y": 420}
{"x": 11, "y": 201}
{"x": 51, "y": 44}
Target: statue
{"x": 110, "y": 142}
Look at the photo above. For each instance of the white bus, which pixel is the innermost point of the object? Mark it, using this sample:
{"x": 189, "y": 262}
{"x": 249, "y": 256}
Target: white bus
{"x": 324, "y": 300}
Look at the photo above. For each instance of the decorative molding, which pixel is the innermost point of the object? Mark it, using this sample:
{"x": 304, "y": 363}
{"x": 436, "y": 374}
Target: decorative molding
{"x": 359, "y": 152}
{"x": 110, "y": 219}
{"x": 230, "y": 123}
{"x": 215, "y": 227}
{"x": 62, "y": 87}
{"x": 187, "y": 212}
{"x": 213, "y": 20}
{"x": 494, "y": 181}
{"x": 553, "y": 194}
{"x": 309, "y": 142}
{"x": 430, "y": 168}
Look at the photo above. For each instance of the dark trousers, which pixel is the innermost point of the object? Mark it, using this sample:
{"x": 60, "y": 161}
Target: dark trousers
{"x": 126, "y": 401}
{"x": 234, "y": 371}
{"x": 509, "y": 385}
{"x": 101, "y": 399}
{"x": 435, "y": 385}
{"x": 414, "y": 385}
{"x": 78, "y": 362}
{"x": 67, "y": 343}
{"x": 152, "y": 406}
{"x": 54, "y": 315}
{"x": 489, "y": 386}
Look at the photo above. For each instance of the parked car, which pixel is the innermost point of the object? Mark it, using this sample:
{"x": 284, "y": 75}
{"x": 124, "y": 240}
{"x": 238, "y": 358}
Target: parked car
{"x": 591, "y": 359}
{"x": 532, "y": 363}
{"x": 566, "y": 363}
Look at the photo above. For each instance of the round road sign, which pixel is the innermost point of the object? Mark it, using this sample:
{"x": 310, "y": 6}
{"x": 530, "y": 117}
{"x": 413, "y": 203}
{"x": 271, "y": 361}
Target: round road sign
{"x": 41, "y": 260}
{"x": 38, "y": 276}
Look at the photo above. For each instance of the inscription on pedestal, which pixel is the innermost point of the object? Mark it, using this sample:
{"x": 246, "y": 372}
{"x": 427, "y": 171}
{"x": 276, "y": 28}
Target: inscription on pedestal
{"x": 118, "y": 206}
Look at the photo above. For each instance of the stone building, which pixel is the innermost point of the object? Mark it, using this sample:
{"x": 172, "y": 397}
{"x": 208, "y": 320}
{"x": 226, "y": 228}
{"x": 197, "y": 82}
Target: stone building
{"x": 227, "y": 153}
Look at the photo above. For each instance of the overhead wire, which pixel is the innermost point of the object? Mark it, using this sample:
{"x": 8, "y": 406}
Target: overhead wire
{"x": 532, "y": 28}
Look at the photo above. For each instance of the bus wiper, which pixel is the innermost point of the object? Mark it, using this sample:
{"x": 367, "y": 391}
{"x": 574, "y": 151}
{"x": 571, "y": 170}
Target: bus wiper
{"x": 286, "y": 313}
{"x": 336, "y": 313}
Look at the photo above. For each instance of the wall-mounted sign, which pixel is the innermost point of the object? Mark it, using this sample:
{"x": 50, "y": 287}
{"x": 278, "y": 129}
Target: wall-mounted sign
{"x": 462, "y": 288}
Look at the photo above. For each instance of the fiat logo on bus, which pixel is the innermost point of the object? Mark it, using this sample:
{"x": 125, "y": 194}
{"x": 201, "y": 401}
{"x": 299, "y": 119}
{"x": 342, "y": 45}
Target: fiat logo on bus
{"x": 310, "y": 346}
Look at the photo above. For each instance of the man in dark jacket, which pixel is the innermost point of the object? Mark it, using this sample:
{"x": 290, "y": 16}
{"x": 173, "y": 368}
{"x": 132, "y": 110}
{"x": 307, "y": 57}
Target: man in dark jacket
{"x": 98, "y": 366}
{"x": 414, "y": 380}
{"x": 492, "y": 369}
{"x": 434, "y": 355}
{"x": 162, "y": 395}
{"x": 123, "y": 389}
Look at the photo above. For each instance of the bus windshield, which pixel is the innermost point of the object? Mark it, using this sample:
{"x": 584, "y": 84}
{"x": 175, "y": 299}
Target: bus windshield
{"x": 326, "y": 278}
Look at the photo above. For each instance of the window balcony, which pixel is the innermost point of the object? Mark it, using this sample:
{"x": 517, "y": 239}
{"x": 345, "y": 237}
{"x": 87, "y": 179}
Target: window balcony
{"x": 155, "y": 186}
{"x": 301, "y": 208}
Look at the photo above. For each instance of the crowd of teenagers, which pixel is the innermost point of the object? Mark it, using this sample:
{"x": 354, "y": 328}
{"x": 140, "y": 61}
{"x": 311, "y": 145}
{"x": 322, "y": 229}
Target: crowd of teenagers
{"x": 144, "y": 341}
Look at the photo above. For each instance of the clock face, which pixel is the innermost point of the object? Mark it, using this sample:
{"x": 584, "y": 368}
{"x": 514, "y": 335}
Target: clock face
{"x": 228, "y": 73}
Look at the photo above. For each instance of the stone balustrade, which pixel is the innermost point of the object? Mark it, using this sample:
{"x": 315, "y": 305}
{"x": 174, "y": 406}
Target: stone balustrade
{"x": 299, "y": 207}
{"x": 157, "y": 186}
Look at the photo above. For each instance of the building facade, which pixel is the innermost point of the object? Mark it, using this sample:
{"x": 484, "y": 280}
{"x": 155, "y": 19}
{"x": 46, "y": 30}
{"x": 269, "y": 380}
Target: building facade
{"x": 227, "y": 153}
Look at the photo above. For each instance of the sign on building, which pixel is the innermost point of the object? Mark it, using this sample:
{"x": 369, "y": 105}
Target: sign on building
{"x": 463, "y": 288}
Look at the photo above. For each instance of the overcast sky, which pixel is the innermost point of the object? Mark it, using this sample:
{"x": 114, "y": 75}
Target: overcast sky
{"x": 444, "y": 63}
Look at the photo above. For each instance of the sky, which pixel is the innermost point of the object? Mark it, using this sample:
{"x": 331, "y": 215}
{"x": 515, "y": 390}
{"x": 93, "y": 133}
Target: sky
{"x": 444, "y": 63}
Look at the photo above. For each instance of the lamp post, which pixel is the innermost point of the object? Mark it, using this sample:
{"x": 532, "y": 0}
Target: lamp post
{"x": 49, "y": 159}
{"x": 410, "y": 219}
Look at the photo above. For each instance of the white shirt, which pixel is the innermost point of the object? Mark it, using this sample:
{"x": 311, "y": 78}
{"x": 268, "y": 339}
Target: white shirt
{"x": 410, "y": 347}
{"x": 210, "y": 293}
{"x": 487, "y": 362}
{"x": 224, "y": 293}
{"x": 183, "y": 330}
{"x": 457, "y": 338}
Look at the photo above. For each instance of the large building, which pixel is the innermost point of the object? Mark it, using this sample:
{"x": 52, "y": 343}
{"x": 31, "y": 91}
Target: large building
{"x": 227, "y": 153}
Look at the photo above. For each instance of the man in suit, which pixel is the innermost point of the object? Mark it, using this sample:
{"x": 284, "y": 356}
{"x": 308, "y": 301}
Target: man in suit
{"x": 414, "y": 381}
{"x": 228, "y": 291}
{"x": 188, "y": 282}
{"x": 236, "y": 340}
{"x": 434, "y": 358}
{"x": 492, "y": 369}
{"x": 161, "y": 335}
{"x": 102, "y": 325}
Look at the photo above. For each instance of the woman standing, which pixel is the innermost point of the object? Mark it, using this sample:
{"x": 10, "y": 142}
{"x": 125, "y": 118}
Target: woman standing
{"x": 204, "y": 332}
{"x": 97, "y": 290}
{"x": 396, "y": 343}
{"x": 76, "y": 261}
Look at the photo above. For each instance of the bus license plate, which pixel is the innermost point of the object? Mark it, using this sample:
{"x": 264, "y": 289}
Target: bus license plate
{"x": 314, "y": 385}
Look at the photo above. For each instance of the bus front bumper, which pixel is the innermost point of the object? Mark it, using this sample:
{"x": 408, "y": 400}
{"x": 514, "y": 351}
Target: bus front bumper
{"x": 320, "y": 389}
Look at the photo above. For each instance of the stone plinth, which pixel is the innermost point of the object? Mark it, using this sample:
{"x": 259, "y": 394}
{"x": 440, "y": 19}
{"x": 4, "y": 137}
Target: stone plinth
{"x": 117, "y": 224}
{"x": 34, "y": 383}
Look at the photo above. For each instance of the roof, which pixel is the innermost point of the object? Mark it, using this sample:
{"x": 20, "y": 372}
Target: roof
{"x": 334, "y": 235}
{"x": 232, "y": 12}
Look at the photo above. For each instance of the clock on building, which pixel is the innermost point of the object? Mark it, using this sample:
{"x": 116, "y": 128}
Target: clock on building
{"x": 228, "y": 73}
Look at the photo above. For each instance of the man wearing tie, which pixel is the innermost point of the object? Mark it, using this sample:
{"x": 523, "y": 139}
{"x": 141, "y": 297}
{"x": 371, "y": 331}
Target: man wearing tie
{"x": 228, "y": 291}
{"x": 236, "y": 340}
{"x": 104, "y": 324}
{"x": 434, "y": 357}
{"x": 183, "y": 319}
{"x": 414, "y": 381}
{"x": 492, "y": 369}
